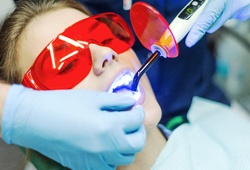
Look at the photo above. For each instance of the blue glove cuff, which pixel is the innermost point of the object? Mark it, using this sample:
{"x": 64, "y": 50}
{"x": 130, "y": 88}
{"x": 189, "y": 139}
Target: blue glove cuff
{"x": 9, "y": 111}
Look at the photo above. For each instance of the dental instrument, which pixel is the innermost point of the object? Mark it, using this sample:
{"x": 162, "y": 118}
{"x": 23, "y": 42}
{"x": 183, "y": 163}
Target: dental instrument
{"x": 156, "y": 35}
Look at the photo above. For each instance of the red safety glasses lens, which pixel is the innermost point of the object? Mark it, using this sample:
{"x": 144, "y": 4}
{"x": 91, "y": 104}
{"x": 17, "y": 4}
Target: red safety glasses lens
{"x": 66, "y": 60}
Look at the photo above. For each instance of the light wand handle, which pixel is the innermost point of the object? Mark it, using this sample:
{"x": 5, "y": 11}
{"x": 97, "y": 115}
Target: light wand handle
{"x": 150, "y": 61}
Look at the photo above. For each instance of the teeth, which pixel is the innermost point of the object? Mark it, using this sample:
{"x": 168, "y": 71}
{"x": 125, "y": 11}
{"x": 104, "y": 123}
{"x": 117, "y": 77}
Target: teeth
{"x": 126, "y": 92}
{"x": 125, "y": 79}
{"x": 135, "y": 95}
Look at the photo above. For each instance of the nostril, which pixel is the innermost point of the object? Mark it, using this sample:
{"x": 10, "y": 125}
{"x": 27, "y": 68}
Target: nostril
{"x": 104, "y": 63}
{"x": 114, "y": 58}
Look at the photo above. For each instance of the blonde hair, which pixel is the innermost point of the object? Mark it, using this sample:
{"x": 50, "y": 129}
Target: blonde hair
{"x": 10, "y": 69}
{"x": 25, "y": 12}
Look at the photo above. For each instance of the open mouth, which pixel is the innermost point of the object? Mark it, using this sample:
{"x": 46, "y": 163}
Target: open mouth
{"x": 124, "y": 80}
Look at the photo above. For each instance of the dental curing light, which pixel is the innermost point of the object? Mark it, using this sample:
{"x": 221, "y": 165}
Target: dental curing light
{"x": 157, "y": 36}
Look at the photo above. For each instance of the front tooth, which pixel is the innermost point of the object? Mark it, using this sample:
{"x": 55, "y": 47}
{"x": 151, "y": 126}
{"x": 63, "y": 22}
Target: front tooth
{"x": 126, "y": 92}
{"x": 135, "y": 95}
{"x": 122, "y": 80}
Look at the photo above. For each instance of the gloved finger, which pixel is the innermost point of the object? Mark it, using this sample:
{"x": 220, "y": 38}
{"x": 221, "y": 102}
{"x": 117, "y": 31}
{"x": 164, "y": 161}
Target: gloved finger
{"x": 132, "y": 119}
{"x": 207, "y": 18}
{"x": 242, "y": 14}
{"x": 114, "y": 102}
{"x": 135, "y": 141}
{"x": 116, "y": 158}
{"x": 134, "y": 134}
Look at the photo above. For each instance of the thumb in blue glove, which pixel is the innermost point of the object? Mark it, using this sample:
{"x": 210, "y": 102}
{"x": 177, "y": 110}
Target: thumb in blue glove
{"x": 214, "y": 15}
{"x": 74, "y": 127}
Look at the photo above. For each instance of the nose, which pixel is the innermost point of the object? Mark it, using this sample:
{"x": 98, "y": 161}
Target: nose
{"x": 102, "y": 57}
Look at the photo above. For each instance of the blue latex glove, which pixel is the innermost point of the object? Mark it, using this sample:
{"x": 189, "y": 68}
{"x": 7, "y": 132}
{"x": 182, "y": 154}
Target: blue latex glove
{"x": 215, "y": 14}
{"x": 74, "y": 127}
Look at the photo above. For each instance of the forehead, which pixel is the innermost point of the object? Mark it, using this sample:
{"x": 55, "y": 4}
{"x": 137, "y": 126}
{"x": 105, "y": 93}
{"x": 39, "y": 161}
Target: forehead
{"x": 47, "y": 26}
{"x": 40, "y": 31}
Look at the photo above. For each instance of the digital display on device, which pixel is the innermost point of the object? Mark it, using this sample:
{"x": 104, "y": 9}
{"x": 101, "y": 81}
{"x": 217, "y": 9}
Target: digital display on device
{"x": 190, "y": 9}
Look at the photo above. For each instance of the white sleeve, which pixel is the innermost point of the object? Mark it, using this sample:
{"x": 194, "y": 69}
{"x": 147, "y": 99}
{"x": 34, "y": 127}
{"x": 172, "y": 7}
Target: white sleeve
{"x": 215, "y": 138}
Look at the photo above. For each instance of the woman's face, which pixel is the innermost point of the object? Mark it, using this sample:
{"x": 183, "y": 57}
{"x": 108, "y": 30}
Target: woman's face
{"x": 107, "y": 66}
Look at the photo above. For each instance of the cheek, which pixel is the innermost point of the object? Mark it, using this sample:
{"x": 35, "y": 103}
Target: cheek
{"x": 91, "y": 82}
{"x": 130, "y": 59}
{"x": 151, "y": 106}
{"x": 152, "y": 113}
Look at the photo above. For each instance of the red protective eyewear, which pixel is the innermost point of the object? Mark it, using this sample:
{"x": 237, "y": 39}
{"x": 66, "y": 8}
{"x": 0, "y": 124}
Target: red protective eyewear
{"x": 66, "y": 60}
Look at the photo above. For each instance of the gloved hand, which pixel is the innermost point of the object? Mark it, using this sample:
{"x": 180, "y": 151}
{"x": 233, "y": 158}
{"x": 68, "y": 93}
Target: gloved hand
{"x": 79, "y": 129}
{"x": 215, "y": 14}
